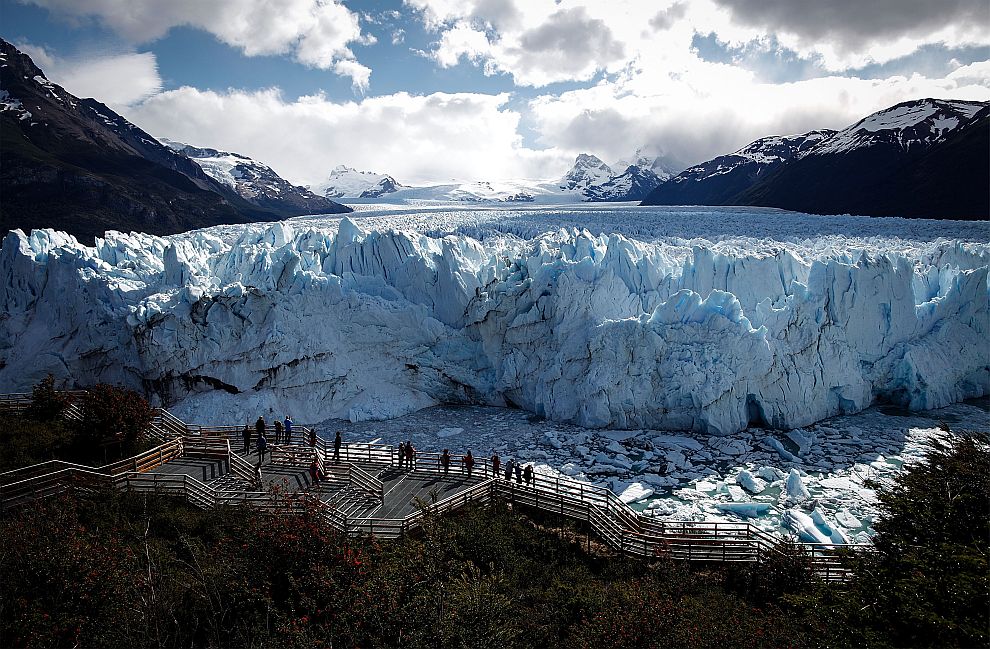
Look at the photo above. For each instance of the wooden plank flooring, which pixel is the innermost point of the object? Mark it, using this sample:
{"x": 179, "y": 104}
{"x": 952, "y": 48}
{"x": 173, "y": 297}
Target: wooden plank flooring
{"x": 401, "y": 487}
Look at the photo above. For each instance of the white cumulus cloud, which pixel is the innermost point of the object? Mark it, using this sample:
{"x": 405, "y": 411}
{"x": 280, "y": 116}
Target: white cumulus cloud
{"x": 116, "y": 79}
{"x": 316, "y": 32}
{"x": 416, "y": 138}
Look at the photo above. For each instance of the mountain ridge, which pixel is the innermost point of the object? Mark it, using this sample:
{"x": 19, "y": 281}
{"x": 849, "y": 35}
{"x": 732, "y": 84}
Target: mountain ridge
{"x": 76, "y": 165}
{"x": 861, "y": 169}
{"x": 254, "y": 181}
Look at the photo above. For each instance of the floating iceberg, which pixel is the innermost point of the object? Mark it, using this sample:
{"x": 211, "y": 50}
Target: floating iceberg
{"x": 598, "y": 330}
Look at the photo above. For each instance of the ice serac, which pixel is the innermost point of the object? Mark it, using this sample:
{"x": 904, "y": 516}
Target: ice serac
{"x": 599, "y": 330}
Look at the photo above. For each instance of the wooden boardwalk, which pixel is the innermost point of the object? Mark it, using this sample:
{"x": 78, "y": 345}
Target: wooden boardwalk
{"x": 363, "y": 491}
{"x": 403, "y": 491}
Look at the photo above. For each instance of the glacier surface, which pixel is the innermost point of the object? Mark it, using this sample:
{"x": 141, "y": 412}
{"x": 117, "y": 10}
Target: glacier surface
{"x": 634, "y": 321}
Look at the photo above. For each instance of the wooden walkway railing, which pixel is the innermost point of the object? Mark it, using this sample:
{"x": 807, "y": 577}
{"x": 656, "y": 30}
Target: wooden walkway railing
{"x": 612, "y": 520}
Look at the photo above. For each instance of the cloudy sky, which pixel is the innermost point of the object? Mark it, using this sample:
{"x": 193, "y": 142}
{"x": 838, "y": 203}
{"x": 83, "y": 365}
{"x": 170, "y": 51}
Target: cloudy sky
{"x": 430, "y": 90}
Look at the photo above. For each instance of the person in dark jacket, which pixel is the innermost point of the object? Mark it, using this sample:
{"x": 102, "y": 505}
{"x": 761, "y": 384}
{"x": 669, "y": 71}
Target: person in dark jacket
{"x": 278, "y": 432}
{"x": 246, "y": 433}
{"x": 508, "y": 470}
{"x": 518, "y": 469}
{"x": 259, "y": 427}
{"x": 262, "y": 447}
{"x": 337, "y": 441}
{"x": 410, "y": 455}
{"x": 402, "y": 454}
{"x": 528, "y": 474}
{"x": 288, "y": 430}
{"x": 496, "y": 463}
{"x": 468, "y": 463}
{"x": 445, "y": 461}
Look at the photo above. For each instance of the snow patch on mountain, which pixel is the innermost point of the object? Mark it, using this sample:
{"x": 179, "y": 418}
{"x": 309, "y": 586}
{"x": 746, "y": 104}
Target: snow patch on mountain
{"x": 588, "y": 171}
{"x": 247, "y": 177}
{"x": 905, "y": 125}
{"x": 759, "y": 155}
{"x": 254, "y": 181}
{"x": 345, "y": 182}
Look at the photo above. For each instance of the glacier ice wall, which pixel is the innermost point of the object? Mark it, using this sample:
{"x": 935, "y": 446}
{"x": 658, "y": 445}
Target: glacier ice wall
{"x": 603, "y": 331}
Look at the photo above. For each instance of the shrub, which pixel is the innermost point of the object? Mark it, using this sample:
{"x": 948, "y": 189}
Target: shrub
{"x": 112, "y": 414}
{"x": 47, "y": 403}
{"x": 928, "y": 583}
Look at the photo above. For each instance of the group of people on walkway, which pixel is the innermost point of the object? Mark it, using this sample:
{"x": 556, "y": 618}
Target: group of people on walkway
{"x": 516, "y": 469}
{"x": 259, "y": 436}
{"x": 513, "y": 469}
{"x": 283, "y": 431}
{"x": 467, "y": 462}
{"x": 407, "y": 455}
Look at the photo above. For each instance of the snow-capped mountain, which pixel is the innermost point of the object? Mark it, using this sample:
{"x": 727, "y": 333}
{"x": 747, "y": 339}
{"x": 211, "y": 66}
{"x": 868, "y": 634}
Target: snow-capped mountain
{"x": 925, "y": 158}
{"x": 254, "y": 181}
{"x": 345, "y": 182}
{"x": 906, "y": 126}
{"x": 590, "y": 179}
{"x": 76, "y": 165}
{"x": 717, "y": 181}
{"x": 480, "y": 191}
{"x": 627, "y": 180}
{"x": 588, "y": 171}
{"x": 661, "y": 165}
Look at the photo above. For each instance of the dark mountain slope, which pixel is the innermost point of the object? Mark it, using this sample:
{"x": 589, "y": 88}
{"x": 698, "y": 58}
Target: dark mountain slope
{"x": 718, "y": 181}
{"x": 908, "y": 169}
{"x": 75, "y": 165}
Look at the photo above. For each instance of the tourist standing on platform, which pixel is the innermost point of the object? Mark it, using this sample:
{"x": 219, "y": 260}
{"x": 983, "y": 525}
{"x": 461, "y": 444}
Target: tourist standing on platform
{"x": 508, "y": 469}
{"x": 246, "y": 433}
{"x": 469, "y": 463}
{"x": 518, "y": 469}
{"x": 410, "y": 455}
{"x": 336, "y": 447}
{"x": 312, "y": 437}
{"x": 278, "y": 432}
{"x": 528, "y": 474}
{"x": 402, "y": 454}
{"x": 496, "y": 462}
{"x": 259, "y": 427}
{"x": 314, "y": 472}
{"x": 262, "y": 447}
{"x": 445, "y": 461}
{"x": 288, "y": 430}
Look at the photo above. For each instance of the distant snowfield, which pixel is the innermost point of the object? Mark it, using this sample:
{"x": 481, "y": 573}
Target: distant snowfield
{"x": 676, "y": 225}
{"x": 708, "y": 321}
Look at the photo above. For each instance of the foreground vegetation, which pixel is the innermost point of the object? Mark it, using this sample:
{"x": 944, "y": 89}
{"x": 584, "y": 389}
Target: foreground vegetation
{"x": 112, "y": 570}
{"x": 109, "y": 428}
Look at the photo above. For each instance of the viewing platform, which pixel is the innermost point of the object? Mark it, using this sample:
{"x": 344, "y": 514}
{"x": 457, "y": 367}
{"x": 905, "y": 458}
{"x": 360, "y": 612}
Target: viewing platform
{"x": 363, "y": 490}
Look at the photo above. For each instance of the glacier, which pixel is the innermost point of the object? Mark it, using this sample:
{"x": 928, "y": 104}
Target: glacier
{"x": 369, "y": 318}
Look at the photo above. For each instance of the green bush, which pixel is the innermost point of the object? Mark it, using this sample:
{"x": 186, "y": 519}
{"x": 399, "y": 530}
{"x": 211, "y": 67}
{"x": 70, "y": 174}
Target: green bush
{"x": 928, "y": 583}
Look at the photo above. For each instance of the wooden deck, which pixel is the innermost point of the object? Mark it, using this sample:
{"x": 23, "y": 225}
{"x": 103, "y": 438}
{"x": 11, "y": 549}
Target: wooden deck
{"x": 366, "y": 492}
{"x": 402, "y": 490}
